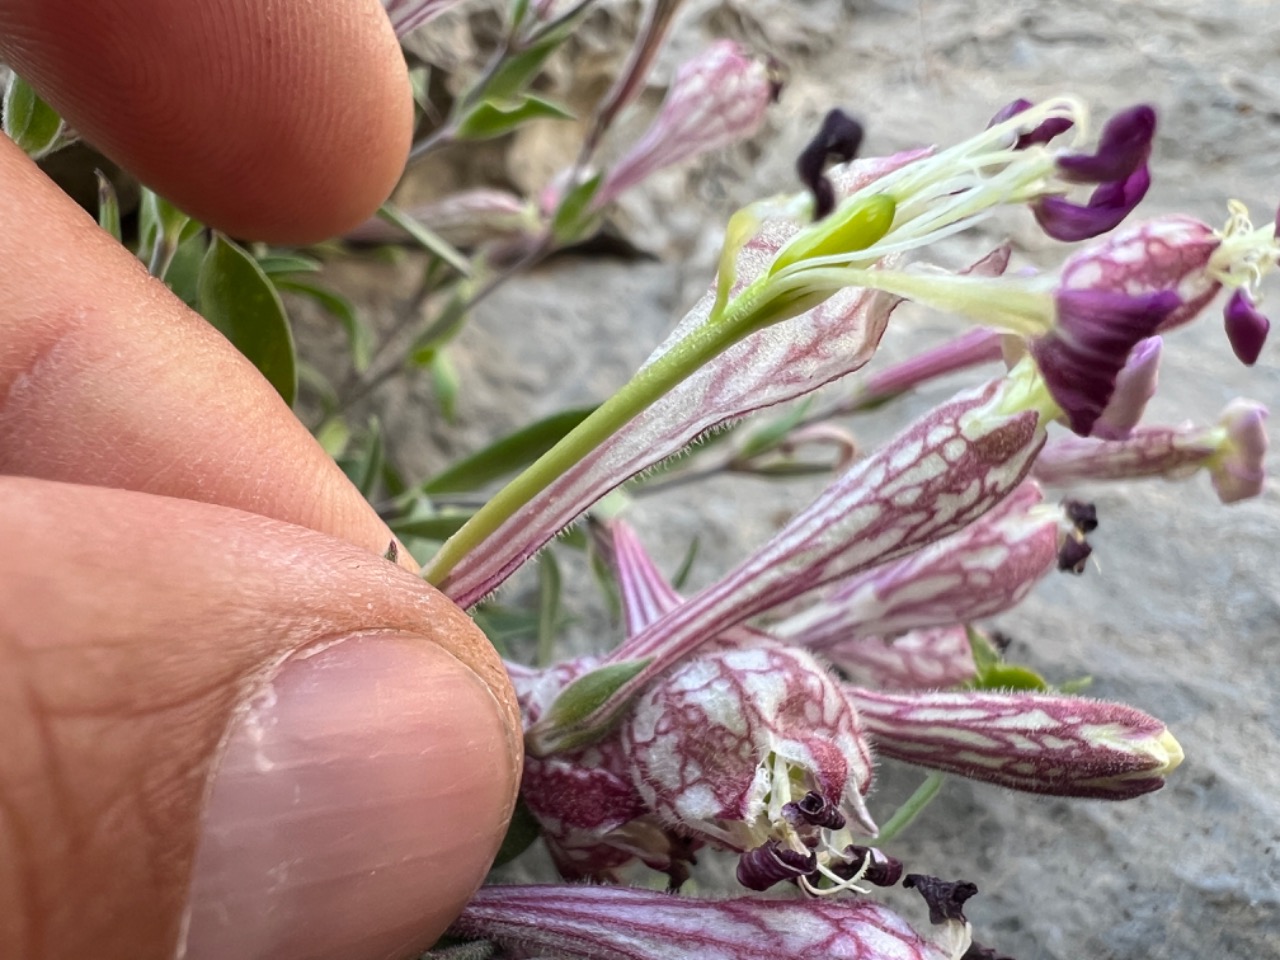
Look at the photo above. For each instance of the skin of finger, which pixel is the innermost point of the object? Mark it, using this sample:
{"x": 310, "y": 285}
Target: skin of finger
{"x": 108, "y": 379}
{"x": 130, "y": 628}
{"x": 287, "y": 121}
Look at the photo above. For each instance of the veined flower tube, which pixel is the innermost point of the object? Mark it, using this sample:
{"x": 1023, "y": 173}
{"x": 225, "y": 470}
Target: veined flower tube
{"x": 772, "y": 271}
{"x": 1233, "y": 451}
{"x": 408, "y": 15}
{"x": 947, "y": 469}
{"x": 931, "y": 659}
{"x": 706, "y": 390}
{"x": 611, "y": 923}
{"x": 980, "y": 570}
{"x": 969, "y": 349}
{"x": 1039, "y": 743}
{"x": 717, "y": 98}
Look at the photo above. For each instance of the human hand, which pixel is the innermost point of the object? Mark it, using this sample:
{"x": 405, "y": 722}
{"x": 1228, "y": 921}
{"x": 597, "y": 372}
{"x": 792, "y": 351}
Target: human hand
{"x": 229, "y": 727}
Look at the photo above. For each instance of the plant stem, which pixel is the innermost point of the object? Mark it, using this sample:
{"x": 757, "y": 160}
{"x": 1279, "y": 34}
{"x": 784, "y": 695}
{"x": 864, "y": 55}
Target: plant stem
{"x": 647, "y": 386}
{"x": 912, "y": 808}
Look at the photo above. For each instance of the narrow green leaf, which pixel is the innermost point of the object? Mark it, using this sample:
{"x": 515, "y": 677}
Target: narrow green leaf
{"x": 686, "y": 565}
{"x": 549, "y": 582}
{"x": 1007, "y": 676}
{"x": 489, "y": 119}
{"x": 183, "y": 273}
{"x": 573, "y": 213}
{"x": 444, "y": 380}
{"x": 517, "y": 72}
{"x": 768, "y": 437}
{"x": 440, "y": 527}
{"x": 428, "y": 239}
{"x": 333, "y": 436}
{"x": 369, "y": 468}
{"x": 30, "y": 122}
{"x": 108, "y": 206}
{"x": 521, "y": 833}
{"x": 274, "y": 264}
{"x": 507, "y": 455}
{"x": 589, "y": 692}
{"x": 985, "y": 655}
{"x": 446, "y": 326}
{"x": 240, "y": 301}
{"x": 359, "y": 336}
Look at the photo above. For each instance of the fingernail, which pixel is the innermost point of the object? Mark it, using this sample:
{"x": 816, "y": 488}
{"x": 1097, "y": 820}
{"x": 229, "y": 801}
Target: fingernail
{"x": 358, "y": 803}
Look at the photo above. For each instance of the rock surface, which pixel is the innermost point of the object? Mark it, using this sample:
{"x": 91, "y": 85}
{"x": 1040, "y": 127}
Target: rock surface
{"x": 1181, "y": 616}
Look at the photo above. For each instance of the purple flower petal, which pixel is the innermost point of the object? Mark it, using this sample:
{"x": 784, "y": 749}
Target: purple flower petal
{"x": 1247, "y": 328}
{"x": 1108, "y": 205}
{"x": 1135, "y": 386}
{"x": 1090, "y": 343}
{"x": 610, "y": 923}
{"x": 1123, "y": 149}
{"x": 1043, "y": 133}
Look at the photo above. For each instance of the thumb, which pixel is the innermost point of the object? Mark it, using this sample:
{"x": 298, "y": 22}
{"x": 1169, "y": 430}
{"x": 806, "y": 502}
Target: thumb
{"x": 231, "y": 737}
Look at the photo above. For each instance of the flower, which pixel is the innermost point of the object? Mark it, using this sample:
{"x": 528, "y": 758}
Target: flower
{"x": 1135, "y": 385}
{"x": 980, "y": 570}
{"x": 717, "y": 98}
{"x": 408, "y": 15}
{"x": 754, "y": 749}
{"x": 612, "y": 923}
{"x": 927, "y": 659}
{"x": 1233, "y": 451}
{"x": 1035, "y": 742}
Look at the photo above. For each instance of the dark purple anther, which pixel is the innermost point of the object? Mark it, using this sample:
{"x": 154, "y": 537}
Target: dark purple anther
{"x": 771, "y": 863}
{"x": 837, "y": 140}
{"x": 1073, "y": 555}
{"x": 945, "y": 897}
{"x": 1108, "y": 205}
{"x": 814, "y": 810}
{"x": 1123, "y": 149}
{"x": 1095, "y": 330}
{"x": 883, "y": 871}
{"x": 1083, "y": 515}
{"x": 1046, "y": 131}
{"x": 977, "y": 951}
{"x": 1247, "y": 328}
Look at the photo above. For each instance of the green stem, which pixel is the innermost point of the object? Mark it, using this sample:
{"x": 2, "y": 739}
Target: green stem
{"x": 914, "y": 806}
{"x": 647, "y": 386}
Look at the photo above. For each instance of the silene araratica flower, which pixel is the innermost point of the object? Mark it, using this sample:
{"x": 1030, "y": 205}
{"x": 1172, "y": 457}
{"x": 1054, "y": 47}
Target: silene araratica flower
{"x": 707, "y": 727}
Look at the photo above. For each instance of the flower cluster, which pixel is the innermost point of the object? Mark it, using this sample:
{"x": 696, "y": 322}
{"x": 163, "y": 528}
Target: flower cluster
{"x": 745, "y": 717}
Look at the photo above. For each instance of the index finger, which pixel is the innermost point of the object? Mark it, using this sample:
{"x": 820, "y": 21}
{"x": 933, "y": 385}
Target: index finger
{"x": 286, "y": 121}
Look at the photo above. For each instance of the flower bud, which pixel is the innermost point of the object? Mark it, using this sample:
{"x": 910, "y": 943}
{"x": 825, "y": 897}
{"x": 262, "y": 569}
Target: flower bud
{"x": 1039, "y": 743}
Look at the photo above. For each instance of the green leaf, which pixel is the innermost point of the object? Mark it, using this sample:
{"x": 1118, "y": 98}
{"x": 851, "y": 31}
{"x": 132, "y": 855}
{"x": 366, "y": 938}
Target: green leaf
{"x": 1006, "y": 676}
{"x": 489, "y": 119}
{"x": 359, "y": 336}
{"x": 521, "y": 833}
{"x": 589, "y": 692}
{"x": 574, "y": 212}
{"x": 108, "y": 206}
{"x": 517, "y": 72}
{"x": 367, "y": 470}
{"x": 444, "y": 380}
{"x": 239, "y": 300}
{"x": 274, "y": 264}
{"x": 183, "y": 274}
{"x": 427, "y": 239}
{"x": 507, "y": 455}
{"x": 443, "y": 328}
{"x": 30, "y": 122}
{"x": 549, "y": 582}
{"x": 686, "y": 565}
{"x": 768, "y": 437}
{"x": 440, "y": 527}
{"x": 333, "y": 436}
{"x": 985, "y": 655}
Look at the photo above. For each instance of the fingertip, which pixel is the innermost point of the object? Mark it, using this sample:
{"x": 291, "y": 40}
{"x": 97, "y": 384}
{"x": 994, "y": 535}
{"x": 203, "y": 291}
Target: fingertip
{"x": 361, "y": 798}
{"x": 286, "y": 122}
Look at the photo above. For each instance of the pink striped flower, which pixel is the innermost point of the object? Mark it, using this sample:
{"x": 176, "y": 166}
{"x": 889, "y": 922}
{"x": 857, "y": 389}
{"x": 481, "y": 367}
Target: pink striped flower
{"x": 408, "y": 15}
{"x": 930, "y": 659}
{"x": 982, "y": 569}
{"x": 1040, "y": 743}
{"x": 612, "y": 923}
{"x": 1233, "y": 451}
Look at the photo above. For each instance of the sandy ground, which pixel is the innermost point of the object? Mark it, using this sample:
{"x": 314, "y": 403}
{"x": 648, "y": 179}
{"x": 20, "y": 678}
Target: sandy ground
{"x": 1183, "y": 616}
